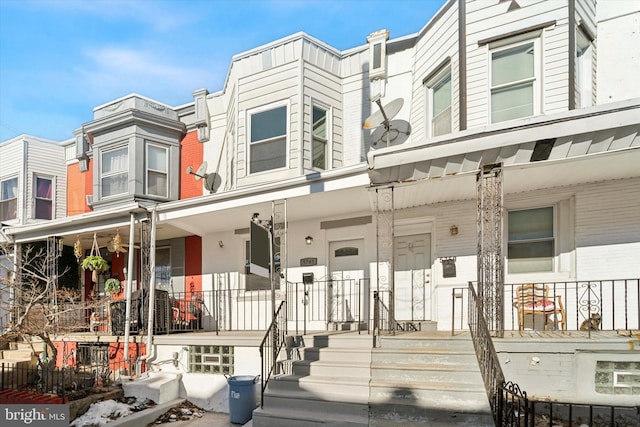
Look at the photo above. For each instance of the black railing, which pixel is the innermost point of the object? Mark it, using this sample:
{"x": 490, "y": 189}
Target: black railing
{"x": 589, "y": 305}
{"x": 383, "y": 322}
{"x": 271, "y": 345}
{"x": 486, "y": 353}
{"x": 67, "y": 382}
{"x": 514, "y": 409}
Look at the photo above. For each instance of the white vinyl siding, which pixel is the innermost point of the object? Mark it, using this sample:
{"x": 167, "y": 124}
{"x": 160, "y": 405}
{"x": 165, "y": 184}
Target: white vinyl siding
{"x": 157, "y": 171}
{"x": 114, "y": 172}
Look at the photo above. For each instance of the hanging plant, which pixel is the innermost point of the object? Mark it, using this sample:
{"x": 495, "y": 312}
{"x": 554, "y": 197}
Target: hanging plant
{"x": 94, "y": 261}
{"x": 112, "y": 286}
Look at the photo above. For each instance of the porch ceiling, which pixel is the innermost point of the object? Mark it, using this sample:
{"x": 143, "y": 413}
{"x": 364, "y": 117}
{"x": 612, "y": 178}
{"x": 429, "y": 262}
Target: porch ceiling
{"x": 521, "y": 178}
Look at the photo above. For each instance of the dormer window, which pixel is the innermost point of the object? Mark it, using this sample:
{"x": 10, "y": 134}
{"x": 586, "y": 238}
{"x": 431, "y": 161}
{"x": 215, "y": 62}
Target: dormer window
{"x": 515, "y": 81}
{"x": 157, "y": 170}
{"x": 114, "y": 172}
{"x": 268, "y": 139}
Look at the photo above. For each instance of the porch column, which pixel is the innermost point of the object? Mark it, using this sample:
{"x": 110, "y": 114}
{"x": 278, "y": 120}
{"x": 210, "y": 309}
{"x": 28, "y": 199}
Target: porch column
{"x": 490, "y": 261}
{"x": 385, "y": 285}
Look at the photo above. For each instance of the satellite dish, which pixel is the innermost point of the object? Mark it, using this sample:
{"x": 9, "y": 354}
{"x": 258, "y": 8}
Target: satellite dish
{"x": 396, "y": 133}
{"x": 212, "y": 182}
{"x": 200, "y": 173}
{"x": 385, "y": 114}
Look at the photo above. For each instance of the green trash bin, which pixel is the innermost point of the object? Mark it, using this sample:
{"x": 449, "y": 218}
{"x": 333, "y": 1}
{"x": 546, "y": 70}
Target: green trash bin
{"x": 242, "y": 397}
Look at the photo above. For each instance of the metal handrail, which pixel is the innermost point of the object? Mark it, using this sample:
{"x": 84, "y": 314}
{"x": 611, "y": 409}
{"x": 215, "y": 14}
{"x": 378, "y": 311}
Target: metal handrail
{"x": 273, "y": 340}
{"x": 488, "y": 361}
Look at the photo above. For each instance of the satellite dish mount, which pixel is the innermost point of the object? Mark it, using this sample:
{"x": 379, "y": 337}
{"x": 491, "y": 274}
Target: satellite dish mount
{"x": 387, "y": 131}
{"x": 211, "y": 180}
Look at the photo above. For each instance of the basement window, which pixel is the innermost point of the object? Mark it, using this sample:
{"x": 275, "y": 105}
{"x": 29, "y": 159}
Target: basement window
{"x": 617, "y": 378}
{"x": 211, "y": 359}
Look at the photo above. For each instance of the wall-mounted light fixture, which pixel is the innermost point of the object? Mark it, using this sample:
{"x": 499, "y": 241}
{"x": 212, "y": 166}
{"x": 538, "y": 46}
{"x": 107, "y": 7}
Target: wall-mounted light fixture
{"x": 308, "y": 240}
{"x": 220, "y": 243}
{"x": 453, "y": 230}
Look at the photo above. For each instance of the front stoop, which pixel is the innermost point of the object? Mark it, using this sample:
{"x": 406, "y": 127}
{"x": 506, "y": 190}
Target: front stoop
{"x": 427, "y": 379}
{"x": 329, "y": 386}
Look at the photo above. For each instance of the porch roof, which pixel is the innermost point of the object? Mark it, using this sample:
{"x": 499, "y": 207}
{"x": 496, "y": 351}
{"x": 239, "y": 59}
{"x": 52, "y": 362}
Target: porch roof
{"x": 595, "y": 144}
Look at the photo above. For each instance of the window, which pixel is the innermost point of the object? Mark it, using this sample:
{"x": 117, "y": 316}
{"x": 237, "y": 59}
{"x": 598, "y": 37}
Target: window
{"x": 211, "y": 359}
{"x": 440, "y": 104}
{"x": 9, "y": 199}
{"x": 115, "y": 172}
{"x": 319, "y": 140}
{"x": 157, "y": 171}
{"x": 584, "y": 71}
{"x": 268, "y": 139}
{"x": 531, "y": 245}
{"x": 43, "y": 198}
{"x": 514, "y": 81}
{"x": 163, "y": 268}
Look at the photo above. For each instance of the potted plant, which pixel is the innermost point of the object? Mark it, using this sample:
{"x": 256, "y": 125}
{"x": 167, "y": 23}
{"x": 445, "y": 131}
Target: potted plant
{"x": 96, "y": 264}
{"x": 112, "y": 286}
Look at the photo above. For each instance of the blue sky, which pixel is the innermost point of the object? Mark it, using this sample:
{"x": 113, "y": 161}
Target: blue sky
{"x": 61, "y": 58}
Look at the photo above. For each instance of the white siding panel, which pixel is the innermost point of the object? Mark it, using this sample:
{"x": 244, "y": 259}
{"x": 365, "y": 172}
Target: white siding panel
{"x": 608, "y": 230}
{"x": 11, "y": 165}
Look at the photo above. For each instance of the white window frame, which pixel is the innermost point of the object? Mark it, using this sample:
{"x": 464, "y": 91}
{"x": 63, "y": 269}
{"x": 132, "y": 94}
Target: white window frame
{"x": 6, "y": 200}
{"x": 103, "y": 175}
{"x": 36, "y": 198}
{"x": 147, "y": 169}
{"x": 249, "y": 143}
{"x": 326, "y": 141}
{"x": 435, "y": 81}
{"x": 553, "y": 239}
{"x": 583, "y": 70}
{"x": 534, "y": 38}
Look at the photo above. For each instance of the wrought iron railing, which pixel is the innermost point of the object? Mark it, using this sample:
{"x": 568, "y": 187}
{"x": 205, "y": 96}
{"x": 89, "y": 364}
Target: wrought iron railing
{"x": 485, "y": 351}
{"x": 271, "y": 346}
{"x": 69, "y": 382}
{"x": 589, "y": 305}
{"x": 509, "y": 404}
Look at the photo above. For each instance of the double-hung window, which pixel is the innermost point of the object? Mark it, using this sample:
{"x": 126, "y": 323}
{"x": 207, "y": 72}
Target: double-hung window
{"x": 8, "y": 199}
{"x": 319, "y": 144}
{"x": 43, "y": 198}
{"x": 515, "y": 81}
{"x": 114, "y": 173}
{"x": 157, "y": 171}
{"x": 268, "y": 139}
{"x": 440, "y": 104}
{"x": 531, "y": 240}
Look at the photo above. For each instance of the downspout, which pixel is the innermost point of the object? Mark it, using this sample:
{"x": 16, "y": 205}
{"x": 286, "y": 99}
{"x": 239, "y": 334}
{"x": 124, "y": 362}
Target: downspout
{"x": 152, "y": 288}
{"x": 127, "y": 292}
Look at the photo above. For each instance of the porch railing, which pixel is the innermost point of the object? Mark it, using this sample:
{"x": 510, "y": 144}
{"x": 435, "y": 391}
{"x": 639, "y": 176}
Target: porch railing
{"x": 509, "y": 404}
{"x": 271, "y": 345}
{"x": 69, "y": 382}
{"x": 589, "y": 305}
{"x": 485, "y": 352}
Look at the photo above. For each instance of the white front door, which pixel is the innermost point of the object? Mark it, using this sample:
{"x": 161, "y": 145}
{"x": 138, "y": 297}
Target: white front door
{"x": 412, "y": 265}
{"x": 344, "y": 296}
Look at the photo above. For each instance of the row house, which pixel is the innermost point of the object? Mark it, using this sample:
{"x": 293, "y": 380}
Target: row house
{"x": 498, "y": 146}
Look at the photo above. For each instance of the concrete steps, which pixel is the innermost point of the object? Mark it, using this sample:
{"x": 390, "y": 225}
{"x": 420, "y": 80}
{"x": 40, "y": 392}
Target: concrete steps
{"x": 328, "y": 386}
{"x": 424, "y": 378}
